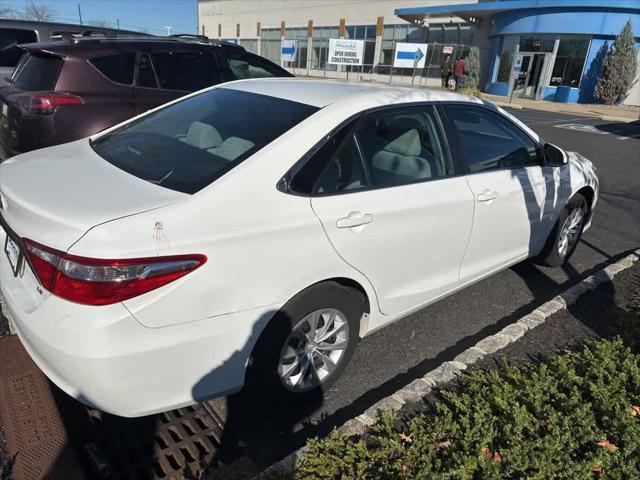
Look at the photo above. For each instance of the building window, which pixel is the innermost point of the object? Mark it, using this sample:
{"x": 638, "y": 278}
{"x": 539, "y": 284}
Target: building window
{"x": 507, "y": 52}
{"x": 536, "y": 44}
{"x": 570, "y": 58}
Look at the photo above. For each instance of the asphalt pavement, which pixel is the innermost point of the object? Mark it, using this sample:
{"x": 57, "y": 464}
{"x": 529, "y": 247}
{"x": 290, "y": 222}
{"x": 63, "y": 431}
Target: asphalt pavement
{"x": 395, "y": 355}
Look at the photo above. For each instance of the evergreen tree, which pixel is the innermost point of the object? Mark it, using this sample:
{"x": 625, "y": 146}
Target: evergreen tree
{"x": 472, "y": 66}
{"x": 618, "y": 68}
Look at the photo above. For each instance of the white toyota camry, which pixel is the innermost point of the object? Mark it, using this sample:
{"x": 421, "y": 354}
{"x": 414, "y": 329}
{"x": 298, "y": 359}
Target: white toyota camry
{"x": 249, "y": 234}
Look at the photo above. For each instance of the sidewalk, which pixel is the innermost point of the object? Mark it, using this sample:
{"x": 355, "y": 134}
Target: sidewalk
{"x": 612, "y": 113}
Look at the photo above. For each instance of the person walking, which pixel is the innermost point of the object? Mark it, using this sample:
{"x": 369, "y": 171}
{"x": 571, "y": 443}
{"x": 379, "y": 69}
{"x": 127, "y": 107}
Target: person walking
{"x": 445, "y": 71}
{"x": 458, "y": 71}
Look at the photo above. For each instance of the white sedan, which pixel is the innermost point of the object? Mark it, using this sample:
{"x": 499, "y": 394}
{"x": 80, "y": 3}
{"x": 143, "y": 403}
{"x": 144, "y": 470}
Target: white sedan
{"x": 249, "y": 234}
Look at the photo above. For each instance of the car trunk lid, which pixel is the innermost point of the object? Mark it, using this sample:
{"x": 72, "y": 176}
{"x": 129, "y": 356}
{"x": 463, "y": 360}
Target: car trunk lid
{"x": 54, "y": 196}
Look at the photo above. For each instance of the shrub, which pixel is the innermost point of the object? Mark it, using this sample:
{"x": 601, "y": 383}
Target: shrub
{"x": 576, "y": 416}
{"x": 472, "y": 63}
{"x": 618, "y": 68}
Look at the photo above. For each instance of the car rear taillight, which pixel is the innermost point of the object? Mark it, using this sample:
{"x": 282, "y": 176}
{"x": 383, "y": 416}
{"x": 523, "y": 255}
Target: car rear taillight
{"x": 93, "y": 281}
{"x": 44, "y": 103}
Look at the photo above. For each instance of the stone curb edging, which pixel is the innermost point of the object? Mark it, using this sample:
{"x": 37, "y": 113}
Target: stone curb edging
{"x": 419, "y": 388}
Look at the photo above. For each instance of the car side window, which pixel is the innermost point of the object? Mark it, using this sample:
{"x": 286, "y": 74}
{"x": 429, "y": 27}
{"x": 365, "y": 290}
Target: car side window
{"x": 146, "y": 75}
{"x": 402, "y": 146}
{"x": 490, "y": 141}
{"x": 186, "y": 71}
{"x": 335, "y": 167}
{"x": 245, "y": 65}
{"x": 117, "y": 68}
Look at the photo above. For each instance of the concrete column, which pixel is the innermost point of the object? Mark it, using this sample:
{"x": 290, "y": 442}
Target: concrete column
{"x": 378, "y": 48}
{"x": 259, "y": 37}
{"x": 309, "y": 45}
{"x": 282, "y": 32}
{"x": 219, "y": 31}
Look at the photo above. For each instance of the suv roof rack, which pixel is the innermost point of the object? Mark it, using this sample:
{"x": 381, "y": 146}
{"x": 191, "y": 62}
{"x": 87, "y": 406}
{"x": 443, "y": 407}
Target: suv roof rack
{"x": 72, "y": 36}
{"x": 204, "y": 39}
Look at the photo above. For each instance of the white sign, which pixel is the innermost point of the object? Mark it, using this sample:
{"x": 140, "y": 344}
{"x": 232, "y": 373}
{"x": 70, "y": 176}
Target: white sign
{"x": 410, "y": 55}
{"x": 345, "y": 52}
{"x": 447, "y": 50}
{"x": 288, "y": 50}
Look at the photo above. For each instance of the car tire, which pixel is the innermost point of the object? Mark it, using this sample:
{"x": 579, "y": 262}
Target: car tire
{"x": 269, "y": 365}
{"x": 566, "y": 233}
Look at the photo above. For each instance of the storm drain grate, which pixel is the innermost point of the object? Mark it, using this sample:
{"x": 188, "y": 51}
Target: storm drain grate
{"x": 175, "y": 444}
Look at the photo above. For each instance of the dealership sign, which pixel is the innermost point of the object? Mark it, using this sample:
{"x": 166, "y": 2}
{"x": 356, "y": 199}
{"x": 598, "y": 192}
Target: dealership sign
{"x": 288, "y": 50}
{"x": 345, "y": 52}
{"x": 410, "y": 55}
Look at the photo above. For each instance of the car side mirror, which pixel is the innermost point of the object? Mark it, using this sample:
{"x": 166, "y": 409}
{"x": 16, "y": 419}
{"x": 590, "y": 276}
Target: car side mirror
{"x": 554, "y": 156}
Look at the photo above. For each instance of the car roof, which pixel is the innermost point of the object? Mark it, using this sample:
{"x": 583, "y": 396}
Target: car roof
{"x": 320, "y": 93}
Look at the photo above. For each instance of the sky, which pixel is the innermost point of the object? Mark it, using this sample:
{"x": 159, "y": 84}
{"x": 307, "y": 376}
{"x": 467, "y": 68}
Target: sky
{"x": 150, "y": 15}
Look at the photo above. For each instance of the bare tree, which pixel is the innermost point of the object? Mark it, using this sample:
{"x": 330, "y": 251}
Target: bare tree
{"x": 39, "y": 13}
{"x": 7, "y": 12}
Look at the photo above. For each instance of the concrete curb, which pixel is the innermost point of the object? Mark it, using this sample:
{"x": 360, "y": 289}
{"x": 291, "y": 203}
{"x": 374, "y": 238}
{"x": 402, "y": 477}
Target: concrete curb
{"x": 446, "y": 372}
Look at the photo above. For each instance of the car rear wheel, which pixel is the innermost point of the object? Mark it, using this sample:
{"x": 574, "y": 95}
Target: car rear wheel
{"x": 307, "y": 344}
{"x": 566, "y": 233}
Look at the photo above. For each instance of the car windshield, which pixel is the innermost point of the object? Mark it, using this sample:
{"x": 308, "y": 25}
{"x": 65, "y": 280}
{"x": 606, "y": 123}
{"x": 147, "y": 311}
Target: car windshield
{"x": 190, "y": 144}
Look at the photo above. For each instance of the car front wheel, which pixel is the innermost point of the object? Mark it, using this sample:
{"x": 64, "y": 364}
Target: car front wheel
{"x": 566, "y": 233}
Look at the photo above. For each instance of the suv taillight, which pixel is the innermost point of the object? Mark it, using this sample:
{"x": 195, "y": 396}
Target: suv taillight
{"x": 44, "y": 103}
{"x": 93, "y": 281}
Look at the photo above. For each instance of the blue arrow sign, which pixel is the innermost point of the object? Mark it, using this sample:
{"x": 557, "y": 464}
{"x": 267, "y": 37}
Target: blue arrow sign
{"x": 410, "y": 55}
{"x": 289, "y": 50}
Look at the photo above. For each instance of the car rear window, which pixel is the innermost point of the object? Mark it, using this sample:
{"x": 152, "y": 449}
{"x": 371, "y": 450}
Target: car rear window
{"x": 10, "y": 38}
{"x": 37, "y": 73}
{"x": 190, "y": 144}
{"x": 117, "y": 68}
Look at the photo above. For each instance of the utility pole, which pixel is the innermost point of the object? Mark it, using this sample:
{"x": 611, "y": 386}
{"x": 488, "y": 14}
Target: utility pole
{"x": 79, "y": 13}
{"x": 118, "y": 23}
{"x": 168, "y": 27}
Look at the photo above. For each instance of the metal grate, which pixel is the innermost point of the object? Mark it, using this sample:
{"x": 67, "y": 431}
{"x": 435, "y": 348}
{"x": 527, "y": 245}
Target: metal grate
{"x": 175, "y": 444}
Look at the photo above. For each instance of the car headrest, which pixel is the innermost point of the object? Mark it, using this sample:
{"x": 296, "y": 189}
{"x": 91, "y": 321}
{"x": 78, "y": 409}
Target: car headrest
{"x": 406, "y": 144}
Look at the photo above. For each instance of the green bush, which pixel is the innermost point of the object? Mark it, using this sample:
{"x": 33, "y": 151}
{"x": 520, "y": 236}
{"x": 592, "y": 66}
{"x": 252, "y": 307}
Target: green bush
{"x": 471, "y": 76}
{"x": 572, "y": 417}
{"x": 618, "y": 68}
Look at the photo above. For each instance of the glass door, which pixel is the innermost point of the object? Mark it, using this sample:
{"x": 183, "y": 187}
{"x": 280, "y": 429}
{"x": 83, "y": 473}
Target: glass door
{"x": 520, "y": 75}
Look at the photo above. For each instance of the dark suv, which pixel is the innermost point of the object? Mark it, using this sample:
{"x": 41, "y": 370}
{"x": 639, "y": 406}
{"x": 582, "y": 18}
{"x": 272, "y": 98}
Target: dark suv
{"x": 65, "y": 91}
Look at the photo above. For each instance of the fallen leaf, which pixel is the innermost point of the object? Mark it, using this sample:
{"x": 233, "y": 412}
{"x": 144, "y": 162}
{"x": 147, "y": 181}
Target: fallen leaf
{"x": 443, "y": 445}
{"x": 497, "y": 457}
{"x": 608, "y": 445}
{"x": 486, "y": 452}
{"x": 406, "y": 438}
{"x": 635, "y": 410}
{"x": 597, "y": 468}
{"x": 605, "y": 418}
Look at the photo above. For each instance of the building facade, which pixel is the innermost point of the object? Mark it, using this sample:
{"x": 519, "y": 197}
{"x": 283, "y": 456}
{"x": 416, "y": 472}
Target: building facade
{"x": 539, "y": 49}
{"x": 544, "y": 49}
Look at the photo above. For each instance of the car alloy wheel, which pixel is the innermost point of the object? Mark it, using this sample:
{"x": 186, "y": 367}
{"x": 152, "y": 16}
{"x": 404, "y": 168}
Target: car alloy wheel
{"x": 313, "y": 350}
{"x": 570, "y": 232}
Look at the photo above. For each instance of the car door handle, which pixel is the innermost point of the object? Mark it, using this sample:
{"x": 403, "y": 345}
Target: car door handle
{"x": 487, "y": 195}
{"x": 354, "y": 219}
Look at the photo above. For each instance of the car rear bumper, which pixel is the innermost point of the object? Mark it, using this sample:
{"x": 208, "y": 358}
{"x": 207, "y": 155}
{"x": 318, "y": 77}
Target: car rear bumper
{"x": 104, "y": 358}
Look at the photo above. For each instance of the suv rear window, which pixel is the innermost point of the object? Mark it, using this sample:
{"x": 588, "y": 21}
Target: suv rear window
{"x": 190, "y": 144}
{"x": 9, "y": 39}
{"x": 117, "y": 68}
{"x": 37, "y": 73}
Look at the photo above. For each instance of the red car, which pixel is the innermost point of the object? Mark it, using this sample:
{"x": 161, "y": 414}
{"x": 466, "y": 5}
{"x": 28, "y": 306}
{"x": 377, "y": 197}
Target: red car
{"x": 64, "y": 91}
